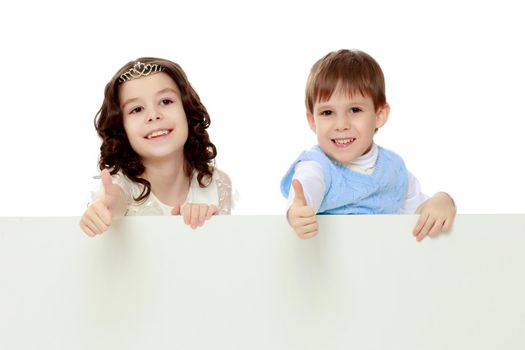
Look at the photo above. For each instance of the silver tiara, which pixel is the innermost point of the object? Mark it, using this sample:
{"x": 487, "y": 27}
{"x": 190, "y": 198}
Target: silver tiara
{"x": 140, "y": 70}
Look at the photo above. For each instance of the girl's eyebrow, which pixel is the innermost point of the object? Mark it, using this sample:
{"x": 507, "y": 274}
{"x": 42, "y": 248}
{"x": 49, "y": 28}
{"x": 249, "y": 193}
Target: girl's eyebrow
{"x": 168, "y": 90}
{"x": 128, "y": 102}
{"x": 160, "y": 92}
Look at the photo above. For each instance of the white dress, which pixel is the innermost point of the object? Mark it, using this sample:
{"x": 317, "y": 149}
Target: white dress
{"x": 218, "y": 193}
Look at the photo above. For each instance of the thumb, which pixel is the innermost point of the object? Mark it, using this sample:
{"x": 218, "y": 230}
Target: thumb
{"x": 107, "y": 183}
{"x": 299, "y": 198}
{"x": 176, "y": 210}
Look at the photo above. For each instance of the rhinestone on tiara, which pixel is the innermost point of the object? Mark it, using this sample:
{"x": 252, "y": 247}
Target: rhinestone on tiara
{"x": 140, "y": 70}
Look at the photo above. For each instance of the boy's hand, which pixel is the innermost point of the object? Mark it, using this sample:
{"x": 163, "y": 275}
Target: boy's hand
{"x": 97, "y": 217}
{"x": 195, "y": 214}
{"x": 301, "y": 217}
{"x": 436, "y": 215}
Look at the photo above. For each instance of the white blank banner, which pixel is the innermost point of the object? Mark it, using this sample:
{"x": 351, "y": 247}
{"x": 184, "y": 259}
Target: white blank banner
{"x": 247, "y": 282}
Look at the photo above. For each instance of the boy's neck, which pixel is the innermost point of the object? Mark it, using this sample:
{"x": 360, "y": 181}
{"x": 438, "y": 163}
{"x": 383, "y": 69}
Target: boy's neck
{"x": 368, "y": 159}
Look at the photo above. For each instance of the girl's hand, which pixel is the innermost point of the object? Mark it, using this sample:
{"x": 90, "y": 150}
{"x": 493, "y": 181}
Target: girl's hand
{"x": 98, "y": 216}
{"x": 195, "y": 214}
{"x": 300, "y": 216}
{"x": 436, "y": 215}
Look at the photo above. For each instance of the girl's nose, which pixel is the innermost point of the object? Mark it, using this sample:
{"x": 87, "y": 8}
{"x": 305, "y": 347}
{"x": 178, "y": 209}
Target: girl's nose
{"x": 153, "y": 116}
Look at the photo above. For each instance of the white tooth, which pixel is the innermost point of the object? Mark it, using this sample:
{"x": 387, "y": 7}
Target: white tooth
{"x": 344, "y": 141}
{"x": 157, "y": 133}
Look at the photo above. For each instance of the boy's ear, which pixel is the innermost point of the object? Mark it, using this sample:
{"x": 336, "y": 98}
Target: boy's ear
{"x": 311, "y": 120}
{"x": 382, "y": 115}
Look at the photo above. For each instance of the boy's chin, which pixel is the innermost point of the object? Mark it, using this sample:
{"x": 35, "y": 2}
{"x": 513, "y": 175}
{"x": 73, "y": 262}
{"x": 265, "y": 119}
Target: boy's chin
{"x": 342, "y": 159}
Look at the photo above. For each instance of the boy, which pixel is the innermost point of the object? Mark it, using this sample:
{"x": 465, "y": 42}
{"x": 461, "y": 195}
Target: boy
{"x": 347, "y": 173}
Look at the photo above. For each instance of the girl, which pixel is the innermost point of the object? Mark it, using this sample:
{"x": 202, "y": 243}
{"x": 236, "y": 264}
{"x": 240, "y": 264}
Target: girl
{"x": 156, "y": 157}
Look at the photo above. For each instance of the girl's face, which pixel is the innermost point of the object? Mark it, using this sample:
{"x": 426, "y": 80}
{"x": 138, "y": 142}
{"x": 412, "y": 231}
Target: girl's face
{"x": 153, "y": 116}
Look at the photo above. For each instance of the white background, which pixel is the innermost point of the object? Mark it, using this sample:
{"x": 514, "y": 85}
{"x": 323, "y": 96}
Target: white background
{"x": 454, "y": 74}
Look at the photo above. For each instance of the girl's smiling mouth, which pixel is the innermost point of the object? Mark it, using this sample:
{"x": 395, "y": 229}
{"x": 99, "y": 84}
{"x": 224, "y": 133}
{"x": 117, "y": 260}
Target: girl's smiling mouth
{"x": 158, "y": 133}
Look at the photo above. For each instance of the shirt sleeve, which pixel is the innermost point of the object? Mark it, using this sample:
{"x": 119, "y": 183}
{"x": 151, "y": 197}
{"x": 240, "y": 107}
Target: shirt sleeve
{"x": 414, "y": 197}
{"x": 310, "y": 175}
{"x": 224, "y": 189}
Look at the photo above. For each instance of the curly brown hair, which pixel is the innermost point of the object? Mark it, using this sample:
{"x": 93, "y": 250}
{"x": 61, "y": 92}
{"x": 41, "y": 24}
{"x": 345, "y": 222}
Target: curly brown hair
{"x": 116, "y": 153}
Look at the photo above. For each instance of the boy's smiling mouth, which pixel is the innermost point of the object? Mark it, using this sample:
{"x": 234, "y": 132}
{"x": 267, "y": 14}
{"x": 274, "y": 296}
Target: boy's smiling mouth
{"x": 343, "y": 142}
{"x": 158, "y": 133}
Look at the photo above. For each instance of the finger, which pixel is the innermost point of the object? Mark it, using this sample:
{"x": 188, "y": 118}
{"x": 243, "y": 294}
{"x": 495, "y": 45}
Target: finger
{"x": 203, "y": 210}
{"x": 86, "y": 228}
{"x": 95, "y": 221}
{"x": 426, "y": 229}
{"x": 307, "y": 229}
{"x": 194, "y": 217}
{"x": 448, "y": 224}
{"x": 107, "y": 183}
{"x": 300, "y": 222}
{"x": 95, "y": 225}
{"x": 176, "y": 210}
{"x": 212, "y": 210}
{"x": 437, "y": 228}
{"x": 420, "y": 224}
{"x": 102, "y": 212}
{"x": 309, "y": 235}
{"x": 187, "y": 214}
{"x": 299, "y": 199}
{"x": 92, "y": 216}
{"x": 302, "y": 212}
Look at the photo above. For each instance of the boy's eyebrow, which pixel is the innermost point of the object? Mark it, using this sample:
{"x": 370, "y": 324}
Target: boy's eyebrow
{"x": 328, "y": 105}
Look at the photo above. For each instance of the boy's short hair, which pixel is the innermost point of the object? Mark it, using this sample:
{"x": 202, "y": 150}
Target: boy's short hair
{"x": 356, "y": 70}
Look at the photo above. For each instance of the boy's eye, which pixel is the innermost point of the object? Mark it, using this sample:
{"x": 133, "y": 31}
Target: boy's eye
{"x": 356, "y": 109}
{"x": 326, "y": 113}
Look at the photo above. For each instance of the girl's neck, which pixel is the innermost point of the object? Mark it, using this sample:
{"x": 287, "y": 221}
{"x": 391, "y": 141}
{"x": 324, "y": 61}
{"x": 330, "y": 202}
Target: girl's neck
{"x": 169, "y": 182}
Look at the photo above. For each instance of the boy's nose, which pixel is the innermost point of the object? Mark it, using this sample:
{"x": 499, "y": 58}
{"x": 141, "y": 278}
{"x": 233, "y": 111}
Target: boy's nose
{"x": 342, "y": 123}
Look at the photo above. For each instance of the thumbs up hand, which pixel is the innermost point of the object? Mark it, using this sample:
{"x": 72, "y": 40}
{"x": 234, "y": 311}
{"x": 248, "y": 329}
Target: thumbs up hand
{"x": 300, "y": 216}
{"x": 98, "y": 216}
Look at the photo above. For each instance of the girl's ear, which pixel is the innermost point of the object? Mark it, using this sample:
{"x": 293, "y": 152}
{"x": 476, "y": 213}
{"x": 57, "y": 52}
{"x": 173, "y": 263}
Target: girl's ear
{"x": 311, "y": 121}
{"x": 382, "y": 115}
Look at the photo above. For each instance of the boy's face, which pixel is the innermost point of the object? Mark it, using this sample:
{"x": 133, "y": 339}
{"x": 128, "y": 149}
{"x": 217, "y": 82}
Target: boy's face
{"x": 345, "y": 124}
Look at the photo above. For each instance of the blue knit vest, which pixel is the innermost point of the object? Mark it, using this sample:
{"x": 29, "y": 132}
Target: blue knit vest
{"x": 351, "y": 192}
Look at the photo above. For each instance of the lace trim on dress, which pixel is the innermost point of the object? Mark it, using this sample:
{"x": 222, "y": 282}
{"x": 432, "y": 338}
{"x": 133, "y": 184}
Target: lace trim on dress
{"x": 224, "y": 189}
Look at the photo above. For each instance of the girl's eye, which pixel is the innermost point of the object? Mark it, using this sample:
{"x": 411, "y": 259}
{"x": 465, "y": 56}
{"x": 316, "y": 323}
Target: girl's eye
{"x": 166, "y": 101}
{"x": 326, "y": 113}
{"x": 136, "y": 110}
